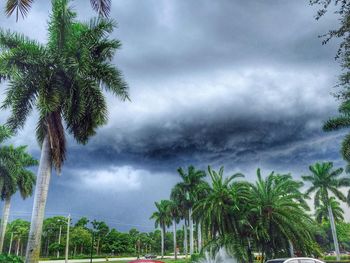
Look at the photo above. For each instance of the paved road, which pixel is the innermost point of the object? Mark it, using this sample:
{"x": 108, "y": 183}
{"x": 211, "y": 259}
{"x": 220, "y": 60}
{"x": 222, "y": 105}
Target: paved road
{"x": 98, "y": 260}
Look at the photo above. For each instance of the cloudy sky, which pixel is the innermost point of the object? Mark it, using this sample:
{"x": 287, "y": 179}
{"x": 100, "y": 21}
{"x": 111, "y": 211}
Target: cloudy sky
{"x": 244, "y": 84}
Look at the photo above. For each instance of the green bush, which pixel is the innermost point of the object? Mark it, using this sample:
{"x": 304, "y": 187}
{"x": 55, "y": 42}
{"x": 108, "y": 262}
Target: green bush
{"x": 10, "y": 259}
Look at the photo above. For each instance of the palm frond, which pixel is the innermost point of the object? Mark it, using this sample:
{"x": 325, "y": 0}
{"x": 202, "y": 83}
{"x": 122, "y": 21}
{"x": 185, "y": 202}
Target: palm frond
{"x": 102, "y": 7}
{"x": 19, "y": 6}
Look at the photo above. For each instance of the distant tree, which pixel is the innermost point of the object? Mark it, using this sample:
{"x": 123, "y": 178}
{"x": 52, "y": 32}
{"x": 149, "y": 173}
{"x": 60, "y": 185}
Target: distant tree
{"x": 80, "y": 238}
{"x": 175, "y": 212}
{"x": 192, "y": 179}
{"x": 162, "y": 219}
{"x": 100, "y": 229}
{"x": 82, "y": 222}
{"x": 20, "y": 229}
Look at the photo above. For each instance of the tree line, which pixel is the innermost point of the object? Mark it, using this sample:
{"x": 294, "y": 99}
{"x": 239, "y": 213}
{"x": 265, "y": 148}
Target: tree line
{"x": 86, "y": 236}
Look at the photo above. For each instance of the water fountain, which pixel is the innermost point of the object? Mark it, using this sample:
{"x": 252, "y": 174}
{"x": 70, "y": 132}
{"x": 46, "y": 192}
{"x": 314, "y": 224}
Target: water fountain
{"x": 220, "y": 257}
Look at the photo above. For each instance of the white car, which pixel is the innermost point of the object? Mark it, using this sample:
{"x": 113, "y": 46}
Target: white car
{"x": 294, "y": 260}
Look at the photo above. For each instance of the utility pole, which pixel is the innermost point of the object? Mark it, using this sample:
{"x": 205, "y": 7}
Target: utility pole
{"x": 59, "y": 241}
{"x": 92, "y": 245}
{"x": 10, "y": 243}
{"x": 67, "y": 243}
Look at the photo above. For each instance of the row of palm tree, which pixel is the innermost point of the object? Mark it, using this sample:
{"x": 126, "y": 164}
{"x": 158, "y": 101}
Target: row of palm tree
{"x": 270, "y": 215}
{"x": 64, "y": 81}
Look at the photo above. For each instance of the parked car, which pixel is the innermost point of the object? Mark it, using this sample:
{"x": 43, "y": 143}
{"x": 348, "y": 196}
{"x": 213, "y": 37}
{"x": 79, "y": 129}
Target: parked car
{"x": 150, "y": 256}
{"x": 294, "y": 260}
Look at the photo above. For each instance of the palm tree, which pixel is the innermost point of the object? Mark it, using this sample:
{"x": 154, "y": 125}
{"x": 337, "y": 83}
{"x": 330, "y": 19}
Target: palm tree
{"x": 324, "y": 180}
{"x": 178, "y": 195}
{"x": 217, "y": 208}
{"x": 220, "y": 211}
{"x": 15, "y": 177}
{"x": 64, "y": 81}
{"x": 278, "y": 215}
{"x": 191, "y": 181}
{"x": 174, "y": 209}
{"x": 102, "y": 7}
{"x": 321, "y": 213}
{"x": 162, "y": 219}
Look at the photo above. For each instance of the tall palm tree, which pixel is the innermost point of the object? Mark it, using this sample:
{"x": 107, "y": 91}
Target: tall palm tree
{"x": 175, "y": 211}
{"x": 191, "y": 181}
{"x": 102, "y": 7}
{"x": 178, "y": 195}
{"x": 321, "y": 213}
{"x": 325, "y": 180}
{"x": 63, "y": 80}
{"x": 162, "y": 219}
{"x": 15, "y": 177}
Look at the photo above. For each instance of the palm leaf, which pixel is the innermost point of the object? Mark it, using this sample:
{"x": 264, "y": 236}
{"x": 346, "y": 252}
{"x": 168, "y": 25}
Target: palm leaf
{"x": 102, "y": 7}
{"x": 18, "y": 6}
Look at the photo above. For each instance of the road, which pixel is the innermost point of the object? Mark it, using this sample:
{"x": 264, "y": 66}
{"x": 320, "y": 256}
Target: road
{"x": 99, "y": 260}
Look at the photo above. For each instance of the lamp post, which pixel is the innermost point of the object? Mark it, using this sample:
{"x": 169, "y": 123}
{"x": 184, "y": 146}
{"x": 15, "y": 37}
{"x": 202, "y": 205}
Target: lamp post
{"x": 67, "y": 241}
{"x": 59, "y": 240}
{"x": 92, "y": 245}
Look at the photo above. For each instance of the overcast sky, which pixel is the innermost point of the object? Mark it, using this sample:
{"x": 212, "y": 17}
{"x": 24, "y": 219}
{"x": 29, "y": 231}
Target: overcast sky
{"x": 244, "y": 84}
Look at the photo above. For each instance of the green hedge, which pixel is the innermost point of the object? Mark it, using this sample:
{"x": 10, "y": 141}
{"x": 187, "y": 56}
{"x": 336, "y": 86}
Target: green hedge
{"x": 334, "y": 258}
{"x": 10, "y": 259}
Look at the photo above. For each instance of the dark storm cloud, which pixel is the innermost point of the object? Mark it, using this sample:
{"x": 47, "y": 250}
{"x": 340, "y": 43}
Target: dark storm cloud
{"x": 244, "y": 84}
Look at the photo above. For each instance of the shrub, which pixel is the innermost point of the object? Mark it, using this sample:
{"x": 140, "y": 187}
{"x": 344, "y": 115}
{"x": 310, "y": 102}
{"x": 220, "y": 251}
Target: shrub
{"x": 10, "y": 259}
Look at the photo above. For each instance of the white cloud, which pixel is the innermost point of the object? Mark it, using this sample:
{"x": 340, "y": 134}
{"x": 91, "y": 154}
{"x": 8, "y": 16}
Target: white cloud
{"x": 116, "y": 179}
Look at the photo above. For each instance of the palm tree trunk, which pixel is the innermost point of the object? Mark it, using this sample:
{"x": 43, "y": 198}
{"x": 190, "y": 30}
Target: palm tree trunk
{"x": 199, "y": 233}
{"x": 162, "y": 240}
{"x": 10, "y": 247}
{"x": 185, "y": 239}
{"x": 174, "y": 234}
{"x": 4, "y": 220}
{"x": 291, "y": 248}
{"x": 18, "y": 244}
{"x": 191, "y": 230}
{"x": 334, "y": 232}
{"x": 40, "y": 197}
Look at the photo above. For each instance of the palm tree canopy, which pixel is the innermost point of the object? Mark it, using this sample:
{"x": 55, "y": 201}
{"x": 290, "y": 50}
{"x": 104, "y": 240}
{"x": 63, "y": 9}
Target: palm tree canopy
{"x": 63, "y": 79}
{"x": 14, "y": 162}
{"x": 192, "y": 181}
{"x": 322, "y": 214}
{"x": 22, "y": 7}
{"x": 277, "y": 214}
{"x": 325, "y": 180}
{"x": 162, "y": 216}
{"x": 217, "y": 209}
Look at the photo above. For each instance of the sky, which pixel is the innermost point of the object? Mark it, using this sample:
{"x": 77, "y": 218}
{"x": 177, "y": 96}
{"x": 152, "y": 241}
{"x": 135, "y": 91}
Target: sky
{"x": 239, "y": 84}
